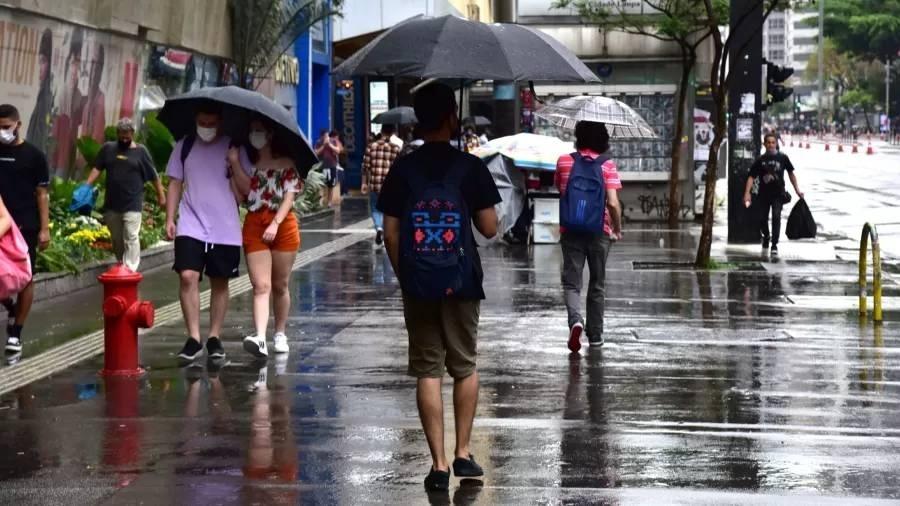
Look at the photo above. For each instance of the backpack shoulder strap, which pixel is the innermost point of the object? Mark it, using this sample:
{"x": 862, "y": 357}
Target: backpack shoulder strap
{"x": 186, "y": 146}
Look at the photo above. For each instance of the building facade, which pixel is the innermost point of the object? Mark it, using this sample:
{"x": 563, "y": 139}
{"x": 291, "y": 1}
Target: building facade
{"x": 74, "y": 67}
{"x": 777, "y": 38}
{"x": 644, "y": 73}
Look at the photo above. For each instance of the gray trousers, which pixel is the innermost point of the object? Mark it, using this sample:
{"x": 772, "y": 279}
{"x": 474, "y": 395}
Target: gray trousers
{"x": 125, "y": 230}
{"x": 577, "y": 248}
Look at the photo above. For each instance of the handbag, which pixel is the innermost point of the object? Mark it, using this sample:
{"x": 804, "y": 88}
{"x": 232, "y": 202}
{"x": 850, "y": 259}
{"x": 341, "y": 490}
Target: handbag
{"x": 15, "y": 265}
{"x": 785, "y": 197}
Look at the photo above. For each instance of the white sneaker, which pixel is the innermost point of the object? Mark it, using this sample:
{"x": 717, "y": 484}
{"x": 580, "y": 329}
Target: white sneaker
{"x": 13, "y": 344}
{"x": 256, "y": 346}
{"x": 281, "y": 344}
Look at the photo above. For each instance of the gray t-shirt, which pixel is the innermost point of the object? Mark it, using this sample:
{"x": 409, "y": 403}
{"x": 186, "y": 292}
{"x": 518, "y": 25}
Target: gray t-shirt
{"x": 126, "y": 173}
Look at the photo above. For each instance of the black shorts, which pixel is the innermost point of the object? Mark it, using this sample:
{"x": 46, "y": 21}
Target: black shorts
{"x": 331, "y": 176}
{"x": 31, "y": 239}
{"x": 214, "y": 260}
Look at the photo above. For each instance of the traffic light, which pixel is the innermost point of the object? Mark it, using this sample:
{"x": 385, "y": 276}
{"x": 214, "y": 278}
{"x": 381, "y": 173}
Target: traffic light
{"x": 775, "y": 90}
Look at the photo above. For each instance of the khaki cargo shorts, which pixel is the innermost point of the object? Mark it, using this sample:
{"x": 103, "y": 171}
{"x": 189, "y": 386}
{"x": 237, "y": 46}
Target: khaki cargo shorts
{"x": 441, "y": 334}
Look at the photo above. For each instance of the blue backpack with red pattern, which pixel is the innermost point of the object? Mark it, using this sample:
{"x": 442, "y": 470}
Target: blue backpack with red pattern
{"x": 437, "y": 248}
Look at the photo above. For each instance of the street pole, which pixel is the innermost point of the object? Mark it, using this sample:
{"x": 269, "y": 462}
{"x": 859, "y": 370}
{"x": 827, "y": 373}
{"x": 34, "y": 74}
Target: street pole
{"x": 887, "y": 90}
{"x": 745, "y": 99}
{"x": 821, "y": 61}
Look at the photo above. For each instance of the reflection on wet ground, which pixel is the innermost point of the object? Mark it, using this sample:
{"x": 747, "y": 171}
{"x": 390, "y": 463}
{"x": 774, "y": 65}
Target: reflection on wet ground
{"x": 706, "y": 393}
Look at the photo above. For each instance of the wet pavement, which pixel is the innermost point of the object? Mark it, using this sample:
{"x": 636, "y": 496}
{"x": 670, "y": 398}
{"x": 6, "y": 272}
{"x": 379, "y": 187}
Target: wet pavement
{"x": 710, "y": 390}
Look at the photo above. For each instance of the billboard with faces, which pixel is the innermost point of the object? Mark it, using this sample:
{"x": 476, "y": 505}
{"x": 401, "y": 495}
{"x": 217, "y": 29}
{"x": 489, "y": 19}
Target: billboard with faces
{"x": 67, "y": 82}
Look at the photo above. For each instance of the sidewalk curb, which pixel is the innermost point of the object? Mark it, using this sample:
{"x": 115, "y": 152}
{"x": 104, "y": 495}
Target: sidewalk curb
{"x": 89, "y": 345}
{"x": 49, "y": 285}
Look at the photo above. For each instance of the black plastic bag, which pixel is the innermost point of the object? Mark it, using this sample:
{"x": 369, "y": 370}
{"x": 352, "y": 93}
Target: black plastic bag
{"x": 800, "y": 224}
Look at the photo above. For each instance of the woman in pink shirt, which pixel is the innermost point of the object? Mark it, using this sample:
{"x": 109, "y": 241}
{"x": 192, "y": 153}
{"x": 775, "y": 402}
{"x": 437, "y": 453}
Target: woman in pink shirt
{"x": 592, "y": 144}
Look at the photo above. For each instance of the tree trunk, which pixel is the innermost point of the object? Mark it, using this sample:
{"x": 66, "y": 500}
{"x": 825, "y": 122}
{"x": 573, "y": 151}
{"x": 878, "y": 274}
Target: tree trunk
{"x": 719, "y": 89}
{"x": 712, "y": 165}
{"x": 687, "y": 64}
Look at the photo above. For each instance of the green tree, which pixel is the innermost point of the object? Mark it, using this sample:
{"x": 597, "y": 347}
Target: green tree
{"x": 866, "y": 28}
{"x": 677, "y": 21}
{"x": 262, "y": 30}
{"x": 860, "y": 100}
{"x": 844, "y": 72}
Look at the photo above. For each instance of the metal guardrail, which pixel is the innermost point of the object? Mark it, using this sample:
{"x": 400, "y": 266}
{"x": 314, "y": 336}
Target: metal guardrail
{"x": 869, "y": 232}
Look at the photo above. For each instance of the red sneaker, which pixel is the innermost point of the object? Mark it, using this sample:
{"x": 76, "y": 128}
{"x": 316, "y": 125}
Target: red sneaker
{"x": 575, "y": 337}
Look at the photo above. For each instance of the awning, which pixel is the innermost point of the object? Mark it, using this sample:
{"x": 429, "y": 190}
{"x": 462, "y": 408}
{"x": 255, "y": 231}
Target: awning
{"x": 343, "y": 49}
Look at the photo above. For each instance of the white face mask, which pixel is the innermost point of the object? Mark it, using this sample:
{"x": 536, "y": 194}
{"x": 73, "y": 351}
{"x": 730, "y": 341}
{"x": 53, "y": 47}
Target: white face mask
{"x": 8, "y": 136}
{"x": 258, "y": 139}
{"x": 206, "y": 134}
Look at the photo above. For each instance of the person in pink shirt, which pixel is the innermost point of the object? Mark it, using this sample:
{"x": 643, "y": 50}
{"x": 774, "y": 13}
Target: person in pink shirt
{"x": 592, "y": 144}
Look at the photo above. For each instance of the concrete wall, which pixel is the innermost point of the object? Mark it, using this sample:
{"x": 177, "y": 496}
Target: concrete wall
{"x": 366, "y": 16}
{"x": 196, "y": 25}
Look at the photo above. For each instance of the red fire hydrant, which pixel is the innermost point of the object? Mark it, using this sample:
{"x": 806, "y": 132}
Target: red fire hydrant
{"x": 123, "y": 315}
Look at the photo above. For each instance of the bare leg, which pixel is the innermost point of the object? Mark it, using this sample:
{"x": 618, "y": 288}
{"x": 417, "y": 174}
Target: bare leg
{"x": 218, "y": 305}
{"x": 23, "y": 303}
{"x": 282, "y": 265}
{"x": 465, "y": 402}
{"x": 260, "y": 265}
{"x": 190, "y": 302}
{"x": 431, "y": 413}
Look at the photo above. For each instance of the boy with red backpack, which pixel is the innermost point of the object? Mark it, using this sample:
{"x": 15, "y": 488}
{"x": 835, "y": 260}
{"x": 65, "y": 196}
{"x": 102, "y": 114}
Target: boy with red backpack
{"x": 590, "y": 220}
{"x": 431, "y": 198}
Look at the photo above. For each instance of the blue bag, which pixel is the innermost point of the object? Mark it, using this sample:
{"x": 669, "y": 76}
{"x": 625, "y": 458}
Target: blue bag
{"x": 83, "y": 200}
{"x": 583, "y": 207}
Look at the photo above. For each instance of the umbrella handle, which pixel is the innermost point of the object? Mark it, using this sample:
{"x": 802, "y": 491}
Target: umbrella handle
{"x": 534, "y": 93}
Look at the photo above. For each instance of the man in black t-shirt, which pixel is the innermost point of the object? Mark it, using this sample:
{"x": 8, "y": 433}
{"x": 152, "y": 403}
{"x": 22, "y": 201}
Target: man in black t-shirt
{"x": 442, "y": 332}
{"x": 769, "y": 170}
{"x": 128, "y": 166}
{"x": 24, "y": 177}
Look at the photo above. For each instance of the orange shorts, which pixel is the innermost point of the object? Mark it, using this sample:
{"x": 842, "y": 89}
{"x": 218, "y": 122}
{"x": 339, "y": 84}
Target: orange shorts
{"x": 287, "y": 239}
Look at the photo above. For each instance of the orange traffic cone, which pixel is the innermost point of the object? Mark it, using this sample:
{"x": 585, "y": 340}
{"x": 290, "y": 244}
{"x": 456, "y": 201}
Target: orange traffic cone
{"x": 807, "y": 144}
{"x": 855, "y": 148}
{"x": 792, "y": 142}
{"x": 870, "y": 150}
{"x": 827, "y": 147}
{"x": 840, "y": 148}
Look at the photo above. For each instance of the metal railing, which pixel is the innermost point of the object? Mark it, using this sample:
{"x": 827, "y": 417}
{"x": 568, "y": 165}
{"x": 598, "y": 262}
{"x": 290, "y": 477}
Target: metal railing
{"x": 869, "y": 232}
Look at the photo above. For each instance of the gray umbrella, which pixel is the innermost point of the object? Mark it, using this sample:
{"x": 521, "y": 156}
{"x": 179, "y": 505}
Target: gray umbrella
{"x": 402, "y": 115}
{"x": 452, "y": 47}
{"x": 178, "y": 114}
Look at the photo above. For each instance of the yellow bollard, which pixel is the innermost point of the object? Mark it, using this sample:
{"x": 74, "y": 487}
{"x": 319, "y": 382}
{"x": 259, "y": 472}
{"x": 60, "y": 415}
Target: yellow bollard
{"x": 869, "y": 232}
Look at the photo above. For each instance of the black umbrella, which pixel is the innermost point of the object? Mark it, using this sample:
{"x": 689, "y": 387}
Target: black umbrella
{"x": 478, "y": 121}
{"x": 178, "y": 114}
{"x": 402, "y": 115}
{"x": 452, "y": 47}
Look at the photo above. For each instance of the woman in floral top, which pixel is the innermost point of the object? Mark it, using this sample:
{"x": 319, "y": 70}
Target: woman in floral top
{"x": 271, "y": 234}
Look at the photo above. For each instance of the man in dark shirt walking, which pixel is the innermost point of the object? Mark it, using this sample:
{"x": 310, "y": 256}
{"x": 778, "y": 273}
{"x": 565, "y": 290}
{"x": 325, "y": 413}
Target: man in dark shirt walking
{"x": 128, "y": 166}
{"x": 24, "y": 177}
{"x": 769, "y": 170}
{"x": 430, "y": 199}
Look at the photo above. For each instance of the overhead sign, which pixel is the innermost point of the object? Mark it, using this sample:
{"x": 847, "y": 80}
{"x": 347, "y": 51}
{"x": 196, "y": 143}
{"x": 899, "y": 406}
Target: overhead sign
{"x": 287, "y": 70}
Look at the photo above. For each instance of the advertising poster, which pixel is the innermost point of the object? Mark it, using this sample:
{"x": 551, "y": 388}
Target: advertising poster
{"x": 67, "y": 82}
